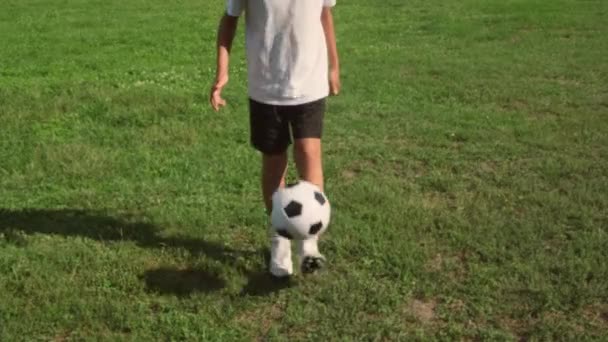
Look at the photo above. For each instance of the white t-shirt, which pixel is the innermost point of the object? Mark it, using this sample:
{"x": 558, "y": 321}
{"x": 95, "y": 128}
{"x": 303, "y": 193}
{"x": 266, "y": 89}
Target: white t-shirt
{"x": 286, "y": 49}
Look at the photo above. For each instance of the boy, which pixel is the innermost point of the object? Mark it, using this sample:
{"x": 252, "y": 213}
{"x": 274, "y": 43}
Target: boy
{"x": 292, "y": 67}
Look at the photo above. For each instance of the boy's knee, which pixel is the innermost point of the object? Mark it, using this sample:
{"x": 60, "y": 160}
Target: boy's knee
{"x": 308, "y": 147}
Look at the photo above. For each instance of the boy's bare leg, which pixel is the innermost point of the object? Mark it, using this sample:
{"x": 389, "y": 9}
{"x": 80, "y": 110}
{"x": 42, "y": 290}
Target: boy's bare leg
{"x": 274, "y": 168}
{"x": 307, "y": 153}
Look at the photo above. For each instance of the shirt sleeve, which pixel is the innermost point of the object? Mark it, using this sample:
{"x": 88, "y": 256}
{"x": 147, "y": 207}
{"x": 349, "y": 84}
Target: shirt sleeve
{"x": 329, "y": 3}
{"x": 235, "y": 8}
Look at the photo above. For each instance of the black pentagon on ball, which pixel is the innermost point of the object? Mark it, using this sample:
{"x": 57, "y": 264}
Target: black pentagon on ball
{"x": 284, "y": 234}
{"x": 293, "y": 209}
{"x": 315, "y": 228}
{"x": 320, "y": 198}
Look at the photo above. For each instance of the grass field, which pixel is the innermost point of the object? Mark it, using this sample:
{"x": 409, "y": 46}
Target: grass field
{"x": 466, "y": 160}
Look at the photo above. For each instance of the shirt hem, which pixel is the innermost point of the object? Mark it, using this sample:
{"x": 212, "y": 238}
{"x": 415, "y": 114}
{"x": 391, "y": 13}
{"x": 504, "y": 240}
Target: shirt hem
{"x": 287, "y": 101}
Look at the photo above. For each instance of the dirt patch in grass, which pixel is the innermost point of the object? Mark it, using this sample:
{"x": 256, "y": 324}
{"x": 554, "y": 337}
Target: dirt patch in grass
{"x": 515, "y": 327}
{"x": 350, "y": 174}
{"x": 596, "y": 314}
{"x": 422, "y": 311}
{"x": 435, "y": 264}
{"x": 455, "y": 266}
{"x": 261, "y": 319}
{"x": 523, "y": 328}
{"x": 439, "y": 200}
{"x": 62, "y": 337}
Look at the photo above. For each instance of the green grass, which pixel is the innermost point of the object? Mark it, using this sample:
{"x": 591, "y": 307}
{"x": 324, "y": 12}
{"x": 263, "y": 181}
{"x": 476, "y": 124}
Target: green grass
{"x": 466, "y": 160}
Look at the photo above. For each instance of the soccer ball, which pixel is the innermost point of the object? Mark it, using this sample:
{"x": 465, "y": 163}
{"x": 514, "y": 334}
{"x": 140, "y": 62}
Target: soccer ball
{"x": 300, "y": 211}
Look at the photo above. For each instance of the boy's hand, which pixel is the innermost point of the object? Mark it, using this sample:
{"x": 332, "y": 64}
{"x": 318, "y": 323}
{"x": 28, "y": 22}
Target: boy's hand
{"x": 215, "y": 96}
{"x": 334, "y": 82}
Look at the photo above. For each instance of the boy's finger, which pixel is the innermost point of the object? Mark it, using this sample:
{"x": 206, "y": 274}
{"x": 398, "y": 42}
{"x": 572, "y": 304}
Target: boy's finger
{"x": 335, "y": 90}
{"x": 217, "y": 103}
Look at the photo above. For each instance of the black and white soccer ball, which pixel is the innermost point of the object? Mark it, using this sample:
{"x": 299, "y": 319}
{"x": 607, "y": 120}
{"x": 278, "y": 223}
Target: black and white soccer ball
{"x": 300, "y": 211}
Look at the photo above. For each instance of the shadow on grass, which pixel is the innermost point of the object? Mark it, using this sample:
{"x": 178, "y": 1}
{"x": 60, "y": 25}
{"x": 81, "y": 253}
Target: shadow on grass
{"x": 263, "y": 283}
{"x": 167, "y": 280}
{"x": 100, "y": 226}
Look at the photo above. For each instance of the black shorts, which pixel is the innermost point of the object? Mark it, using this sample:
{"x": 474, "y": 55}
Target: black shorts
{"x": 272, "y": 126}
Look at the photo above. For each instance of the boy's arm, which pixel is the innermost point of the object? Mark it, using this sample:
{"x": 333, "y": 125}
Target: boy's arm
{"x": 327, "y": 20}
{"x": 225, "y": 36}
